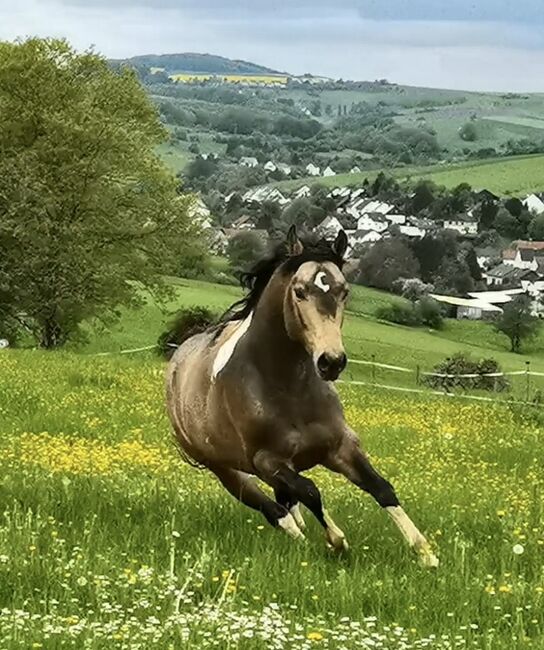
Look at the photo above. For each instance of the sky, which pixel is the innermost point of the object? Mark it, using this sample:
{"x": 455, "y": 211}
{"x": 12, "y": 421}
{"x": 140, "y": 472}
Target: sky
{"x": 492, "y": 45}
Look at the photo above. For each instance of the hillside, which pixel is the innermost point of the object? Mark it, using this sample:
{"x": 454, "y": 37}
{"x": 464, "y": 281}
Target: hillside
{"x": 193, "y": 62}
{"x": 516, "y": 175}
{"x": 365, "y": 337}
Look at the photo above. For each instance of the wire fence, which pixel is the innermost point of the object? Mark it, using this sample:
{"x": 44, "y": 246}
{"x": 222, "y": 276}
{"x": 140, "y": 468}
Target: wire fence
{"x": 524, "y": 386}
{"x": 525, "y": 389}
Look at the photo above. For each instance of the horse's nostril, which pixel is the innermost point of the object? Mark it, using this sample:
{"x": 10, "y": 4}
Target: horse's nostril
{"x": 330, "y": 366}
{"x": 323, "y": 363}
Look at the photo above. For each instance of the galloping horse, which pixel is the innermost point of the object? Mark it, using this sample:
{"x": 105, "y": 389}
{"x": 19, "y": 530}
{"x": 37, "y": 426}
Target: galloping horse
{"x": 254, "y": 396}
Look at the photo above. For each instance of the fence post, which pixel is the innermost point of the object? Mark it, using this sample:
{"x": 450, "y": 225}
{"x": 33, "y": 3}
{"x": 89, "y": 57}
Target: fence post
{"x": 528, "y": 381}
{"x": 373, "y": 368}
{"x": 418, "y": 372}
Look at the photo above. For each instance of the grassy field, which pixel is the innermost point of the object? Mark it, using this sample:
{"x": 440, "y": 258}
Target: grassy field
{"x": 507, "y": 176}
{"x": 109, "y": 541}
{"x": 366, "y": 338}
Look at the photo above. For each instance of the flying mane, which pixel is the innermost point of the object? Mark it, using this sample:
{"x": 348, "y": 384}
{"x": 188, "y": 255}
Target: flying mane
{"x": 256, "y": 279}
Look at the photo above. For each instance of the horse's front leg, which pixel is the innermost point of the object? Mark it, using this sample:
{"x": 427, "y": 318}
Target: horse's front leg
{"x": 282, "y": 477}
{"x": 350, "y": 461}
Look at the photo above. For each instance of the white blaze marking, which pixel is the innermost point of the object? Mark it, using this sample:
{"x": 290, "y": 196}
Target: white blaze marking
{"x": 319, "y": 282}
{"x": 226, "y": 351}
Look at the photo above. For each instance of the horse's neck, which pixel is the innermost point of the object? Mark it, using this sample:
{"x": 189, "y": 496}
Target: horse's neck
{"x": 271, "y": 348}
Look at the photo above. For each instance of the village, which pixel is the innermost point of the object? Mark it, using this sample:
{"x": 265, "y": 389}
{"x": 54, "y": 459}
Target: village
{"x": 514, "y": 269}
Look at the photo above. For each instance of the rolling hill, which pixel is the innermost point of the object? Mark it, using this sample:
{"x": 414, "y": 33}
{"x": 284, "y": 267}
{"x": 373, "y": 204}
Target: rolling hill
{"x": 193, "y": 62}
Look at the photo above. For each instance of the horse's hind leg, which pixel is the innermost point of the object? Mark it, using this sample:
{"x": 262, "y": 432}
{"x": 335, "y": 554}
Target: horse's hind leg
{"x": 244, "y": 488}
{"x": 354, "y": 465}
{"x": 277, "y": 473}
{"x": 286, "y": 498}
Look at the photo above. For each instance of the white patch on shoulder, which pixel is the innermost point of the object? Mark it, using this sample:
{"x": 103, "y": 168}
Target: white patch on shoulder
{"x": 319, "y": 281}
{"x": 226, "y": 351}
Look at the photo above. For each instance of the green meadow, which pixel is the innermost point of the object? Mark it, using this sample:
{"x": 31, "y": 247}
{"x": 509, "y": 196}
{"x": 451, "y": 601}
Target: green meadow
{"x": 109, "y": 541}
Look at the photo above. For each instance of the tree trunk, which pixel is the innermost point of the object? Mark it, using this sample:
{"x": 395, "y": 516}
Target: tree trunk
{"x": 51, "y": 335}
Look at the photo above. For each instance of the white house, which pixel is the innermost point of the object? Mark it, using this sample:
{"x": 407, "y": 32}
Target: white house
{"x": 285, "y": 169}
{"x": 245, "y": 222}
{"x": 361, "y": 237}
{"x": 270, "y": 166}
{"x": 463, "y": 224}
{"x": 525, "y": 259}
{"x": 339, "y": 193}
{"x": 328, "y": 171}
{"x": 356, "y": 206}
{"x": 399, "y": 219}
{"x": 199, "y": 212}
{"x": 217, "y": 240}
{"x": 364, "y": 206}
{"x": 329, "y": 227}
{"x": 355, "y": 170}
{"x": 373, "y": 221}
{"x": 534, "y": 204}
{"x": 470, "y": 308}
{"x": 264, "y": 193}
{"x": 248, "y": 161}
{"x": 312, "y": 170}
{"x": 485, "y": 256}
{"x": 410, "y": 230}
{"x": 302, "y": 192}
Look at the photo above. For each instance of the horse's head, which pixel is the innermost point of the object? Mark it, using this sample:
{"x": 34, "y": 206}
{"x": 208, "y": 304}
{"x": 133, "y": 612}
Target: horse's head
{"x": 314, "y": 306}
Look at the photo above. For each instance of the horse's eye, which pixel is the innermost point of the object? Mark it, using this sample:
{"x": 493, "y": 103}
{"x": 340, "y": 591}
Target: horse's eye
{"x": 300, "y": 293}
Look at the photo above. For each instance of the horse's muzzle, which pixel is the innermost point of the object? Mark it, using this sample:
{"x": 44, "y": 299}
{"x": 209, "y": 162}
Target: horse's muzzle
{"x": 330, "y": 366}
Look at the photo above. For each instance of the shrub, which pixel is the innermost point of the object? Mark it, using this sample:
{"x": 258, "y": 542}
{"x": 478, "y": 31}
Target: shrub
{"x": 461, "y": 364}
{"x": 425, "y": 312}
{"x": 429, "y": 313}
{"x": 399, "y": 313}
{"x": 183, "y": 325}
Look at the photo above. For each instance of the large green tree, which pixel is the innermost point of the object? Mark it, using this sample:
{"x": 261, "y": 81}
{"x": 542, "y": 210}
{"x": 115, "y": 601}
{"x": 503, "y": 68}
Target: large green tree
{"x": 88, "y": 213}
{"x": 517, "y": 322}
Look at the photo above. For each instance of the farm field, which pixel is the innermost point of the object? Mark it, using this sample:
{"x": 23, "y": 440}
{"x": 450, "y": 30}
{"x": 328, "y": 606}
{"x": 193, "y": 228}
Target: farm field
{"x": 107, "y": 540}
{"x": 506, "y": 176}
{"x": 194, "y": 77}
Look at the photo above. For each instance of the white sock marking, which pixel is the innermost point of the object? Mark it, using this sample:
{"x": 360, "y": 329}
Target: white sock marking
{"x": 226, "y": 350}
{"x": 412, "y": 535}
{"x": 297, "y": 516}
{"x": 290, "y": 527}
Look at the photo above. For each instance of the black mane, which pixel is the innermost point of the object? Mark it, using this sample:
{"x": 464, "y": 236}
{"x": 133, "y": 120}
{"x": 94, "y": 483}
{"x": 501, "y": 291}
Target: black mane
{"x": 256, "y": 279}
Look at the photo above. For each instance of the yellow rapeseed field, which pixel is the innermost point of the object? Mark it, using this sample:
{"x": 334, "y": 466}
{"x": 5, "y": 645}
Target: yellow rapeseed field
{"x": 252, "y": 79}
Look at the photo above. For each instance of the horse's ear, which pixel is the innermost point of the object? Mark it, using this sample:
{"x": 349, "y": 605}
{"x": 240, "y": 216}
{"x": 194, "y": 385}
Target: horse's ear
{"x": 293, "y": 243}
{"x": 340, "y": 245}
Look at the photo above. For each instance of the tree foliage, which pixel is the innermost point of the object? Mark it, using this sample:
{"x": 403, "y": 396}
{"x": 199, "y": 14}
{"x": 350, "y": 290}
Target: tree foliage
{"x": 517, "y": 323}
{"x": 244, "y": 249}
{"x": 386, "y": 262}
{"x": 88, "y": 213}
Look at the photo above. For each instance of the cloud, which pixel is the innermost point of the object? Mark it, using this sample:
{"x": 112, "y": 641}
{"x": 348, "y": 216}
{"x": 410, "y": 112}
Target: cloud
{"x": 349, "y": 39}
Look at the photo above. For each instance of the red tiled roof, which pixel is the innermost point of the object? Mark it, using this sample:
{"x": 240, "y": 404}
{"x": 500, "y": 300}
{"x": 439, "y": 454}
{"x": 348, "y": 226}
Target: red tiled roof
{"x": 532, "y": 245}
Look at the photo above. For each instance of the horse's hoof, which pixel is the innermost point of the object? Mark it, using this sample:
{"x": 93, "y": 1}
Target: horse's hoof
{"x": 428, "y": 559}
{"x": 336, "y": 542}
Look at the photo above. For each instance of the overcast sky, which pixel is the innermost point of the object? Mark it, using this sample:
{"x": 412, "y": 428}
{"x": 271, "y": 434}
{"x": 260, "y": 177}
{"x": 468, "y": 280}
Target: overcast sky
{"x": 469, "y": 44}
